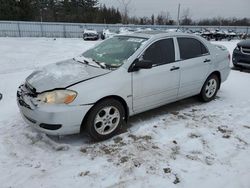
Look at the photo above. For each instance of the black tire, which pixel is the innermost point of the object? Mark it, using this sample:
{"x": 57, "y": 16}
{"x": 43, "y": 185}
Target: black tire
{"x": 92, "y": 115}
{"x": 205, "y": 94}
{"x": 102, "y": 36}
{"x": 237, "y": 67}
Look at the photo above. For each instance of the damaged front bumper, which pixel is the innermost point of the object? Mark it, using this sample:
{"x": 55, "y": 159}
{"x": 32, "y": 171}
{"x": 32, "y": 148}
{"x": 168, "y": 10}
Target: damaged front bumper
{"x": 51, "y": 119}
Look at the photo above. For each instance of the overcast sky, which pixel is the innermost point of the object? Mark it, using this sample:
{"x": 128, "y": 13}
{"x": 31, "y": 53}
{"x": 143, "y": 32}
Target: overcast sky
{"x": 198, "y": 8}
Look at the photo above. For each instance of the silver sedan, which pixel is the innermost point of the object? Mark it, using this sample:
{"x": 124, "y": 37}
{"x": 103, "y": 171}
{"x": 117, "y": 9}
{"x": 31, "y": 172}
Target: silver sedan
{"x": 122, "y": 76}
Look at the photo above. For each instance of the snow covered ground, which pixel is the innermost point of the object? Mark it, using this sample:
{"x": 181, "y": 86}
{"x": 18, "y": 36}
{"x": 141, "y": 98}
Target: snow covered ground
{"x": 184, "y": 144}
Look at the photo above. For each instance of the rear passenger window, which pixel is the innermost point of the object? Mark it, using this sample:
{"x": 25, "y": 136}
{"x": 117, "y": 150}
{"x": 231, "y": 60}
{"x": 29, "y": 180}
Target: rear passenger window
{"x": 161, "y": 52}
{"x": 191, "y": 48}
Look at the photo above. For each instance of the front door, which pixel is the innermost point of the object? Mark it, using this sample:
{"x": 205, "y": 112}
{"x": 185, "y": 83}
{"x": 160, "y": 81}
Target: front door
{"x": 158, "y": 85}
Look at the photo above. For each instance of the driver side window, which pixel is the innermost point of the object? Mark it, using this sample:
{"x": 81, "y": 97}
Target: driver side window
{"x": 160, "y": 52}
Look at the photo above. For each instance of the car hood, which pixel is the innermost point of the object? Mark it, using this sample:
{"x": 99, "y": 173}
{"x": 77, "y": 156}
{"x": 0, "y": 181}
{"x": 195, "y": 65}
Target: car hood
{"x": 244, "y": 43}
{"x": 62, "y": 75}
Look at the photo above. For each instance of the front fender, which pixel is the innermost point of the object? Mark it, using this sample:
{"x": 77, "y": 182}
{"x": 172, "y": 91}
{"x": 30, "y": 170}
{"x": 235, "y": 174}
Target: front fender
{"x": 116, "y": 83}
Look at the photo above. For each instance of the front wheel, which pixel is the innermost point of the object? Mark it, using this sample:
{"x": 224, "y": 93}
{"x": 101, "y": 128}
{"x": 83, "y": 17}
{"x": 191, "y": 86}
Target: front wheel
{"x": 210, "y": 88}
{"x": 105, "y": 119}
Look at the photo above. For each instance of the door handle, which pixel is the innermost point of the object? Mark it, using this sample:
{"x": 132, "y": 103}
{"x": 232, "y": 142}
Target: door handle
{"x": 207, "y": 60}
{"x": 174, "y": 68}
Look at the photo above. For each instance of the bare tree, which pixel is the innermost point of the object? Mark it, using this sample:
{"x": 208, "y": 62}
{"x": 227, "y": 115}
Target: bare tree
{"x": 152, "y": 19}
{"x": 186, "y": 17}
{"x": 168, "y": 17}
{"x": 125, "y": 10}
{"x": 163, "y": 18}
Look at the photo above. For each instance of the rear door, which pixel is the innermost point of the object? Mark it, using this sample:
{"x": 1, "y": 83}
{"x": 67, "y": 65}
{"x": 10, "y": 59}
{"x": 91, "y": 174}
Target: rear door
{"x": 158, "y": 85}
{"x": 195, "y": 61}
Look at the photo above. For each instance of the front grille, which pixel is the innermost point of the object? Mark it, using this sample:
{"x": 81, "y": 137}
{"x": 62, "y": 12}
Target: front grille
{"x": 22, "y": 103}
{"x": 245, "y": 50}
{"x": 29, "y": 90}
{"x": 25, "y": 96}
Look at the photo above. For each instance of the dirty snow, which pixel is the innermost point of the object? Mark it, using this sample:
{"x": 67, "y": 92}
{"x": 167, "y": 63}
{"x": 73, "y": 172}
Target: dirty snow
{"x": 184, "y": 144}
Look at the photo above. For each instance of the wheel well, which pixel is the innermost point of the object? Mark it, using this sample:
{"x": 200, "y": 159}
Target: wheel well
{"x": 120, "y": 99}
{"x": 217, "y": 73}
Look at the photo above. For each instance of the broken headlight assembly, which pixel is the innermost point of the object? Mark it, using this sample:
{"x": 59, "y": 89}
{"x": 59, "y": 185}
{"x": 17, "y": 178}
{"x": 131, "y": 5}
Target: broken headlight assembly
{"x": 57, "y": 97}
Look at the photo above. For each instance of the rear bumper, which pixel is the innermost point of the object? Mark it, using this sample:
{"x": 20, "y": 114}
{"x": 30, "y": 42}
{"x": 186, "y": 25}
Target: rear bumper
{"x": 225, "y": 73}
{"x": 53, "y": 119}
{"x": 90, "y": 37}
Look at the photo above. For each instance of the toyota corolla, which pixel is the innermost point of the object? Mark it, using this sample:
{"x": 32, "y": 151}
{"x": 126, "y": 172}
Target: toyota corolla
{"x": 125, "y": 75}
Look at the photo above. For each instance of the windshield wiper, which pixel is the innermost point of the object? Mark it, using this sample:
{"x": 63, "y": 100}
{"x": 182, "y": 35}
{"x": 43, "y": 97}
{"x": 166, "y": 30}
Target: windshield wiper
{"x": 101, "y": 64}
{"x": 88, "y": 62}
{"x": 84, "y": 61}
{"x": 91, "y": 62}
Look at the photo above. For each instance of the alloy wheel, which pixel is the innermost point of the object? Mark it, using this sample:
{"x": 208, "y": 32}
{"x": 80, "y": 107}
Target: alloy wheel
{"x": 106, "y": 120}
{"x": 211, "y": 88}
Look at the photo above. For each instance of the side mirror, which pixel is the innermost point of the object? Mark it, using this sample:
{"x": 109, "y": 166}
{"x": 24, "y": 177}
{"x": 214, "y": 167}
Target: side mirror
{"x": 140, "y": 64}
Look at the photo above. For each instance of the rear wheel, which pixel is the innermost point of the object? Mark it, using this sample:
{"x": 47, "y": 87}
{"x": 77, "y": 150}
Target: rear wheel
{"x": 105, "y": 119}
{"x": 210, "y": 88}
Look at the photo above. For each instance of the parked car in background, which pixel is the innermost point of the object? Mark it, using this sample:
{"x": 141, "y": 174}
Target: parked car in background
{"x": 207, "y": 34}
{"x": 126, "y": 30}
{"x": 218, "y": 34}
{"x": 106, "y": 33}
{"x": 90, "y": 34}
{"x": 230, "y": 35}
{"x": 122, "y": 76}
{"x": 241, "y": 54}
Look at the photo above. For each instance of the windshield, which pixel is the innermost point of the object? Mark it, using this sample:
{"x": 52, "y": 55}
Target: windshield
{"x": 112, "y": 52}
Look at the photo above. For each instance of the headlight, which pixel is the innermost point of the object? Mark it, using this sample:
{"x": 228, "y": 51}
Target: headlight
{"x": 57, "y": 97}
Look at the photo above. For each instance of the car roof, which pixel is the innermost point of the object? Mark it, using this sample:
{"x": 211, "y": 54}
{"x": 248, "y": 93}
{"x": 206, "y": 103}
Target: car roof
{"x": 156, "y": 34}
